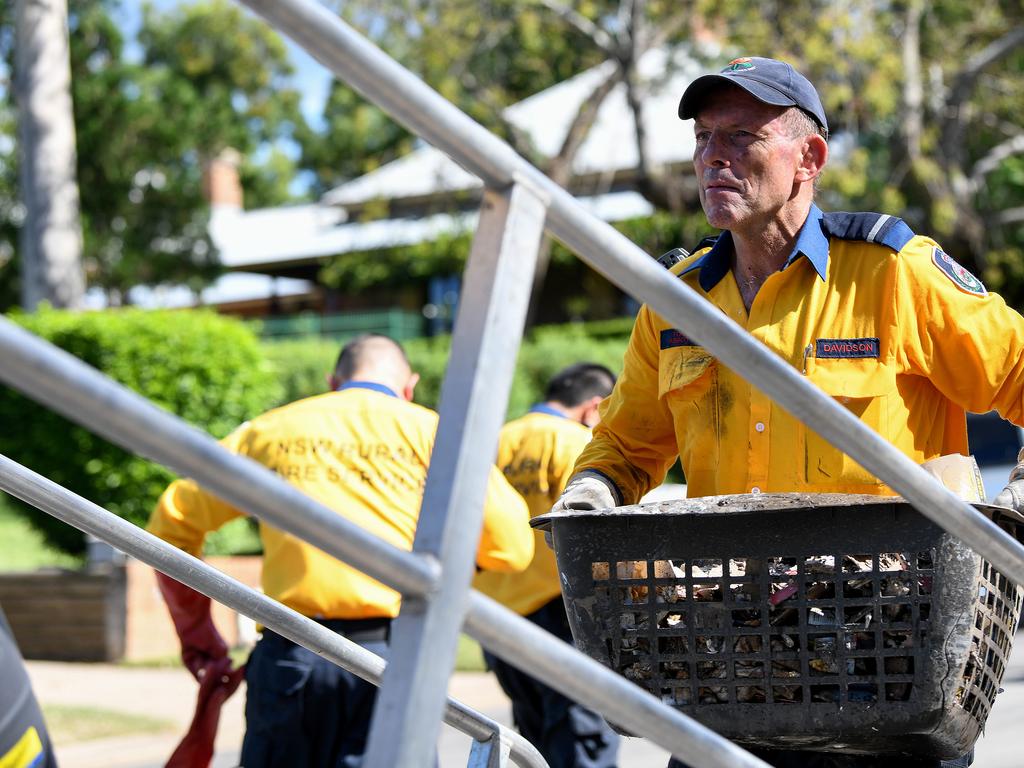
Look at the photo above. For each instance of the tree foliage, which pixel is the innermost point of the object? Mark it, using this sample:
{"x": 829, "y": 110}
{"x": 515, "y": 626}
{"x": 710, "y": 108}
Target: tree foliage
{"x": 210, "y": 77}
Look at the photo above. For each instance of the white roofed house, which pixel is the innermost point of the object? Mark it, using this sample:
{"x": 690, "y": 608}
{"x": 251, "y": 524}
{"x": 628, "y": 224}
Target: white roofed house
{"x": 424, "y": 197}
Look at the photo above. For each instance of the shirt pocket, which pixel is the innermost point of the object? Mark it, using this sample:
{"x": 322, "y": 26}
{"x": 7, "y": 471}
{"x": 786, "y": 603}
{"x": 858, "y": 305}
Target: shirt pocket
{"x": 864, "y": 387}
{"x": 684, "y": 371}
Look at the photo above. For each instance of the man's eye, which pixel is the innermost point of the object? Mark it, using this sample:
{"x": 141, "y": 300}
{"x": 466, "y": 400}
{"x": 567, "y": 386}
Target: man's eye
{"x": 703, "y": 136}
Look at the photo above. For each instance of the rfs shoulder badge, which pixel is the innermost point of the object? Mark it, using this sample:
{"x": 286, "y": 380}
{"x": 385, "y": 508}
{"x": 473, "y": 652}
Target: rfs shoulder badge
{"x": 961, "y": 278}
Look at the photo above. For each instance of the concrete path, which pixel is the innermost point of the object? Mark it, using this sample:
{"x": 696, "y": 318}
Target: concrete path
{"x": 169, "y": 694}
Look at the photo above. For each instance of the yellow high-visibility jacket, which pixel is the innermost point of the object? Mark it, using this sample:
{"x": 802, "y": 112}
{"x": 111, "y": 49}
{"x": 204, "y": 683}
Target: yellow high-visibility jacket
{"x": 536, "y": 452}
{"x": 364, "y": 453}
{"x": 881, "y": 319}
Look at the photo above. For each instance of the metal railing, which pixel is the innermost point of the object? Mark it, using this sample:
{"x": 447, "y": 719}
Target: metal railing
{"x": 519, "y": 198}
{"x": 72, "y": 509}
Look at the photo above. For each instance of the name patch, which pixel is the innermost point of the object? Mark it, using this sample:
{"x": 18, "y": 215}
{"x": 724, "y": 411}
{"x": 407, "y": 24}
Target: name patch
{"x": 673, "y": 338}
{"x": 847, "y": 348}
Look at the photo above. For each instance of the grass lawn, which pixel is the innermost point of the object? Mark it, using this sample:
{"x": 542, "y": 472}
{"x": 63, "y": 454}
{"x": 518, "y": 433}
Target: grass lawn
{"x": 470, "y": 656}
{"x": 22, "y": 547}
{"x": 69, "y": 724}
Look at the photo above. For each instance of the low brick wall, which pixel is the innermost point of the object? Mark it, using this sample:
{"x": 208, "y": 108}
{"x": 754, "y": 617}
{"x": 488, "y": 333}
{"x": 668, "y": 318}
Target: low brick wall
{"x": 108, "y": 613}
{"x": 67, "y": 615}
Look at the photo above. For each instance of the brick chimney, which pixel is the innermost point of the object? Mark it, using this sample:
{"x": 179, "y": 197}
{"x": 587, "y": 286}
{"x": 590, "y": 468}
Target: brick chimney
{"x": 221, "y": 184}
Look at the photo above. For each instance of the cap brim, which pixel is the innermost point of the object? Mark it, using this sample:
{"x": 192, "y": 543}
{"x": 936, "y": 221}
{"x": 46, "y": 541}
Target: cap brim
{"x": 699, "y": 89}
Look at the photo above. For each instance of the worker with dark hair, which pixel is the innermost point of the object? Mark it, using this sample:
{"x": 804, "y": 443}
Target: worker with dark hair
{"x": 537, "y": 453}
{"x": 363, "y": 450}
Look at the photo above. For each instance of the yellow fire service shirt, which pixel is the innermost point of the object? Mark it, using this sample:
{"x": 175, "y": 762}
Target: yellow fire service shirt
{"x": 363, "y": 452}
{"x": 536, "y": 452}
{"x": 879, "y": 318}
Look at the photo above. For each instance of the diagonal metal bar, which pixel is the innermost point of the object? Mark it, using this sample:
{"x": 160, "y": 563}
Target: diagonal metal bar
{"x": 474, "y": 396}
{"x": 81, "y": 393}
{"x": 425, "y": 112}
{"x": 86, "y": 516}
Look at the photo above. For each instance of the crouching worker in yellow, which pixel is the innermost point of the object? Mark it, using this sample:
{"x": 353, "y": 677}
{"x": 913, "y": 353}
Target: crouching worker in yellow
{"x": 537, "y": 453}
{"x": 363, "y": 450}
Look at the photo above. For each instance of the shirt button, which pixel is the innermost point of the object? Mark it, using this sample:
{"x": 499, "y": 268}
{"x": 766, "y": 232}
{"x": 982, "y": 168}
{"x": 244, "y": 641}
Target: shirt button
{"x": 755, "y": 489}
{"x": 759, "y": 426}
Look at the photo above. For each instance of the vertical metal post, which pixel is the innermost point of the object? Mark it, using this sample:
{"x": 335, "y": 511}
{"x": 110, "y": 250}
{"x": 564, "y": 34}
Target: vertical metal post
{"x": 474, "y": 395}
{"x": 493, "y": 753}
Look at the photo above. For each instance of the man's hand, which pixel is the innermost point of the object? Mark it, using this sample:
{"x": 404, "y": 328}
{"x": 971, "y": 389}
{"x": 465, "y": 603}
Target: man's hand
{"x": 588, "y": 490}
{"x": 202, "y": 648}
{"x": 1012, "y": 495}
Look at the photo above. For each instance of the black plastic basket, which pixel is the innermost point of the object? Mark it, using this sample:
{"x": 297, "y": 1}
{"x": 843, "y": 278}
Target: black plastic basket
{"x": 825, "y": 622}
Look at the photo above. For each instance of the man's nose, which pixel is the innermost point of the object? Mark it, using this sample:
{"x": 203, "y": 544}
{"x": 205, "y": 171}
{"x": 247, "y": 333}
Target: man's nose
{"x": 714, "y": 151}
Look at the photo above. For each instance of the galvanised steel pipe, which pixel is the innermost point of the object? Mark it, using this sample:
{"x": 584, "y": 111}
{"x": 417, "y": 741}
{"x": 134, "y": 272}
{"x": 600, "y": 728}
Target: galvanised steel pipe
{"x": 64, "y": 383}
{"x": 55, "y": 500}
{"x": 425, "y": 112}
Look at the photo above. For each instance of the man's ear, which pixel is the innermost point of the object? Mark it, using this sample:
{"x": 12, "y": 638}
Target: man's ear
{"x": 332, "y": 381}
{"x": 812, "y": 159}
{"x": 410, "y": 386}
{"x": 591, "y": 417}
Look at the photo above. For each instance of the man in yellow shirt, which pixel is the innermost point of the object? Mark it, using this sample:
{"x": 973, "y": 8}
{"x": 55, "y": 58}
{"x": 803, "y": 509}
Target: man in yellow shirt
{"x": 536, "y": 452}
{"x": 362, "y": 449}
{"x": 877, "y": 316}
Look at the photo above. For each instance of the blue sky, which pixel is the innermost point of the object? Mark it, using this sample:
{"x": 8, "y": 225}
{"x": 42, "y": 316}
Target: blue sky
{"x": 310, "y": 77}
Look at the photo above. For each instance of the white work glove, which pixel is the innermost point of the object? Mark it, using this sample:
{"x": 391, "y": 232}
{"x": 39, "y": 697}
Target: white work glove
{"x": 586, "y": 490}
{"x": 1012, "y": 495}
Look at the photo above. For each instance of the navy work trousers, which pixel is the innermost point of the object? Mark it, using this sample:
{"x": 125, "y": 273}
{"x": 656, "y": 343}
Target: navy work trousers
{"x": 797, "y": 759}
{"x": 567, "y": 734}
{"x": 303, "y": 711}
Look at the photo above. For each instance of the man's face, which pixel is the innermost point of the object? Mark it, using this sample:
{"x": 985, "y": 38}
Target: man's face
{"x": 745, "y": 159}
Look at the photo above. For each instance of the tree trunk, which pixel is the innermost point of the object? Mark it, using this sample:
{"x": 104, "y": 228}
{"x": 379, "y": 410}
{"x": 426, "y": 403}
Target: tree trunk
{"x": 51, "y": 240}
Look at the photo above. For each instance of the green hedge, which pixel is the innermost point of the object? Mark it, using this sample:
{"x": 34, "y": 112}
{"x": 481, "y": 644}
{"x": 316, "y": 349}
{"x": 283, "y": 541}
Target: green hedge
{"x": 303, "y": 364}
{"x": 207, "y": 369}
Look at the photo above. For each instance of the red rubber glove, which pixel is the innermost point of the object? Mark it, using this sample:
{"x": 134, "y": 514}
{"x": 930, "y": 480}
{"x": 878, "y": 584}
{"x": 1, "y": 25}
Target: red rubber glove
{"x": 201, "y": 643}
{"x": 219, "y": 682}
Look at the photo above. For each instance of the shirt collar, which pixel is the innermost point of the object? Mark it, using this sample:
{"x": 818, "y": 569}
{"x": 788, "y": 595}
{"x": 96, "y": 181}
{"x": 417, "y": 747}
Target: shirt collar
{"x": 545, "y": 408}
{"x": 368, "y": 385}
{"x": 811, "y": 242}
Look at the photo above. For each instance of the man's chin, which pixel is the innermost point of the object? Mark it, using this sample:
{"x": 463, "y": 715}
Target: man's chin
{"x": 721, "y": 218}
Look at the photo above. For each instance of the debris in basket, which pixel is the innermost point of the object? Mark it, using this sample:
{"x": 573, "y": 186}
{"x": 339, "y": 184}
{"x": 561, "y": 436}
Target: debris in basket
{"x": 748, "y": 644}
{"x": 712, "y": 695}
{"x": 786, "y": 693}
{"x": 749, "y": 669}
{"x": 786, "y": 668}
{"x": 825, "y": 662}
{"x": 675, "y": 670}
{"x": 784, "y": 593}
{"x": 669, "y": 593}
{"x": 638, "y": 671}
{"x": 750, "y": 694}
{"x": 822, "y": 617}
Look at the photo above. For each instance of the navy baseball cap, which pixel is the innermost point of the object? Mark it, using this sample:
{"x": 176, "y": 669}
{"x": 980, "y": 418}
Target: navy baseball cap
{"x": 767, "y": 80}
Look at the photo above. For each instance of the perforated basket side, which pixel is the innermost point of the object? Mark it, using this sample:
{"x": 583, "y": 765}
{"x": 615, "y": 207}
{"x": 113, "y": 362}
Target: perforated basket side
{"x": 826, "y": 628}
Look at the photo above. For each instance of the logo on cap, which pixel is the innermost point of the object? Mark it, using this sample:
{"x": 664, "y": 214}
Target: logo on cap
{"x": 737, "y": 65}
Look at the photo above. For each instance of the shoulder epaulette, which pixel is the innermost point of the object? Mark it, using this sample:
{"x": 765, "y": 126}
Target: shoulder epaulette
{"x": 879, "y": 228}
{"x": 673, "y": 257}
